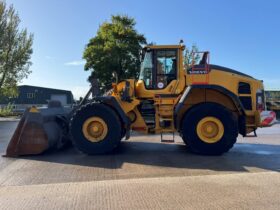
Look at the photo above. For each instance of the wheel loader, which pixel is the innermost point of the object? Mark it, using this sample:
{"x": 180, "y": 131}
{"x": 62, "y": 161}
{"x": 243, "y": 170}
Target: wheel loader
{"x": 207, "y": 105}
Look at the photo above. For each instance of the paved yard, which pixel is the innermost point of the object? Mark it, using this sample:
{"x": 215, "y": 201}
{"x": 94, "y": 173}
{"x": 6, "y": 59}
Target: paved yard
{"x": 144, "y": 173}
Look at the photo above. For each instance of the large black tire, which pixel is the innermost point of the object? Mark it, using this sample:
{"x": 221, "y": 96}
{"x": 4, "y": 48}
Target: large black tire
{"x": 110, "y": 141}
{"x": 200, "y": 111}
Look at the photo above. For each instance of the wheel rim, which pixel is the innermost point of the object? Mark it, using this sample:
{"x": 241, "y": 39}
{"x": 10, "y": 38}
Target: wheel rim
{"x": 210, "y": 130}
{"x": 95, "y": 129}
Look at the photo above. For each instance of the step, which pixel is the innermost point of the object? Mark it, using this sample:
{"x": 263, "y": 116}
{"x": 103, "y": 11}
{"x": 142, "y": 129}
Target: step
{"x": 167, "y": 140}
{"x": 166, "y": 119}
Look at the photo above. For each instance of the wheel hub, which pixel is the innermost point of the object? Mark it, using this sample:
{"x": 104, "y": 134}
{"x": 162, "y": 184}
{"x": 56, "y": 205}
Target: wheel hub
{"x": 95, "y": 129}
{"x": 210, "y": 129}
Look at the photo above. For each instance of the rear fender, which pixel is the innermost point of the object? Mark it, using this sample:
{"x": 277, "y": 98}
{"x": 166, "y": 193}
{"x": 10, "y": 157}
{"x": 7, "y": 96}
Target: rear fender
{"x": 180, "y": 110}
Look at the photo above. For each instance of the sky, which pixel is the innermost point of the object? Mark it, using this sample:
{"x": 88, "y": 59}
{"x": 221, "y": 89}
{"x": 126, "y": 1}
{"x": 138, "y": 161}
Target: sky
{"x": 240, "y": 34}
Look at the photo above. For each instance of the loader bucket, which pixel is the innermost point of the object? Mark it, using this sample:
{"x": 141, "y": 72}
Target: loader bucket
{"x": 39, "y": 130}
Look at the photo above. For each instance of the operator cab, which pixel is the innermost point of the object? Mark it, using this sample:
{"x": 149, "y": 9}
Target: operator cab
{"x": 159, "y": 70}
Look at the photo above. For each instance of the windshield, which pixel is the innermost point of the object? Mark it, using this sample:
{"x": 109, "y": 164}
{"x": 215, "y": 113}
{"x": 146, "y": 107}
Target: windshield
{"x": 146, "y": 73}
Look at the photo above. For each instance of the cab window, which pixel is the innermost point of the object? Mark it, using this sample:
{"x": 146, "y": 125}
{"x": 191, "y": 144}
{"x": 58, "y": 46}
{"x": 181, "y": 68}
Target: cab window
{"x": 146, "y": 73}
{"x": 158, "y": 68}
{"x": 166, "y": 63}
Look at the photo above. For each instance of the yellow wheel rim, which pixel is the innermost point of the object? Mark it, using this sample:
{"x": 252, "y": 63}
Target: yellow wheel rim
{"x": 95, "y": 129}
{"x": 210, "y": 130}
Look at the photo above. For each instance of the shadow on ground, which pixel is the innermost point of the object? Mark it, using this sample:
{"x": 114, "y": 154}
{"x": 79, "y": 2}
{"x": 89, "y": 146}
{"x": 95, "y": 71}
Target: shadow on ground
{"x": 260, "y": 156}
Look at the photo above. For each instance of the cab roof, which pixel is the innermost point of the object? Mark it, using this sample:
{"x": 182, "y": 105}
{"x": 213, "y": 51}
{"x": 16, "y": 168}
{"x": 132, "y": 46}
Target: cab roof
{"x": 164, "y": 47}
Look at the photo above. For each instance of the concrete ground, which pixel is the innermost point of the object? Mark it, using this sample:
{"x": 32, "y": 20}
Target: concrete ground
{"x": 145, "y": 174}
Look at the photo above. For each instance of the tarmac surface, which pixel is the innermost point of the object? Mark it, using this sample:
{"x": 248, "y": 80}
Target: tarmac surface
{"x": 144, "y": 174}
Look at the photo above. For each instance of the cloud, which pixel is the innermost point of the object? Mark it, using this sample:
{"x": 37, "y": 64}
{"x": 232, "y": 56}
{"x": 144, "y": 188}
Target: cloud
{"x": 75, "y": 63}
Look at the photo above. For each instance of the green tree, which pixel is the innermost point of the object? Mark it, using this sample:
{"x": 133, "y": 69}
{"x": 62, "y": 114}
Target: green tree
{"x": 115, "y": 48}
{"x": 15, "y": 50}
{"x": 189, "y": 57}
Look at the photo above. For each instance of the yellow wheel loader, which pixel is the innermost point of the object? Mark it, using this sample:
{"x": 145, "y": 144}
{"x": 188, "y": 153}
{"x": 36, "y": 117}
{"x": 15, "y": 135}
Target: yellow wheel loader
{"x": 208, "y": 105}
